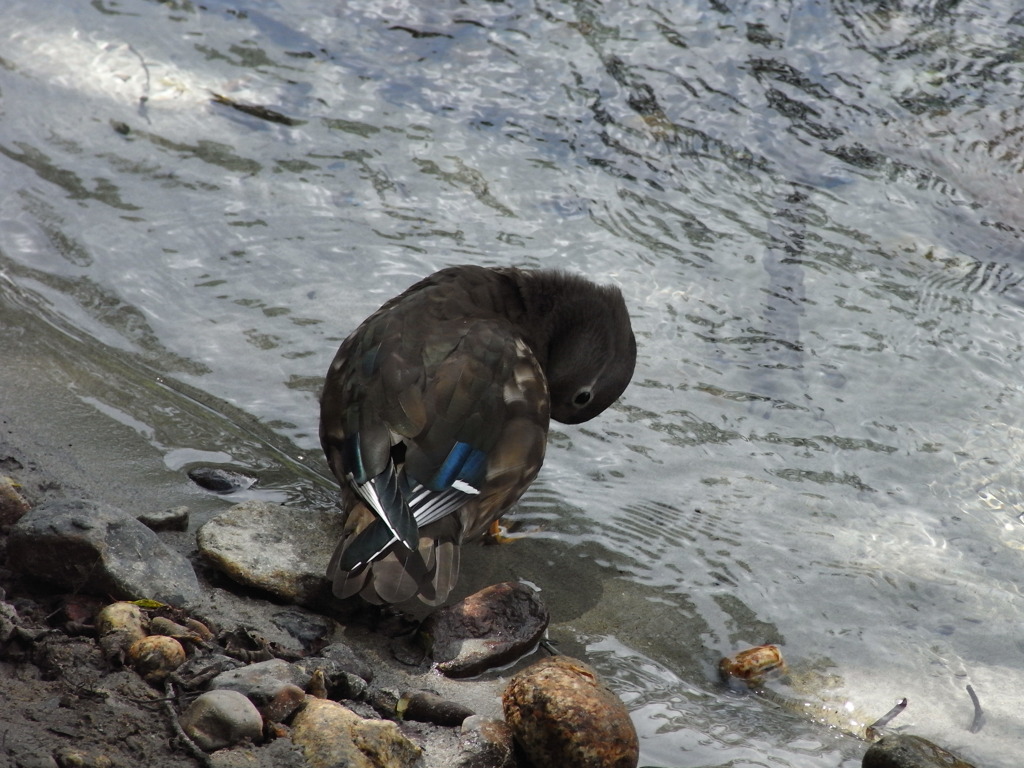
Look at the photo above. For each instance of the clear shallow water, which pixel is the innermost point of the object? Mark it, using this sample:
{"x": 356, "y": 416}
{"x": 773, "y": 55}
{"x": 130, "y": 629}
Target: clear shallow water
{"x": 813, "y": 211}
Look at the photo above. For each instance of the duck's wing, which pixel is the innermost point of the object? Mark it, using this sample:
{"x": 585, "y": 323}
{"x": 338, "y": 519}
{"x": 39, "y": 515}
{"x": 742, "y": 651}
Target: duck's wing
{"x": 454, "y": 416}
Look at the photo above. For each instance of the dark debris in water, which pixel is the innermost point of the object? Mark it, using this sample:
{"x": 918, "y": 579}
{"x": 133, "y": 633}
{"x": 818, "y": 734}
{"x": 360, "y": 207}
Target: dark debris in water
{"x": 256, "y": 110}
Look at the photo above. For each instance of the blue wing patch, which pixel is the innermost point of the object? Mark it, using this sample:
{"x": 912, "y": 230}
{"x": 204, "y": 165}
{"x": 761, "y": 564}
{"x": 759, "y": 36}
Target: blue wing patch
{"x": 464, "y": 465}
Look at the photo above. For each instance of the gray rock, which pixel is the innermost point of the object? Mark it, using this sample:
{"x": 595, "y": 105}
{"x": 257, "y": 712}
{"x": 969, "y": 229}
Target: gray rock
{"x": 99, "y": 549}
{"x": 279, "y": 549}
{"x": 219, "y": 719}
{"x": 261, "y": 677}
{"x": 490, "y": 628}
{"x": 907, "y": 751}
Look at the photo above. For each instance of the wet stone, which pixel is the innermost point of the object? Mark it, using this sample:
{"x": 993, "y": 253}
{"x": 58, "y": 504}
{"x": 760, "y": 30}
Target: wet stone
{"x": 220, "y": 480}
{"x": 906, "y": 751}
{"x": 99, "y": 549}
{"x": 562, "y": 714}
{"x": 488, "y": 629}
{"x": 281, "y": 550}
{"x": 219, "y": 719}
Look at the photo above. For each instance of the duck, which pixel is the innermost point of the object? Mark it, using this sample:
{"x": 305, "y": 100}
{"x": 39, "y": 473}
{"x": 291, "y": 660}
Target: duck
{"x": 434, "y": 414}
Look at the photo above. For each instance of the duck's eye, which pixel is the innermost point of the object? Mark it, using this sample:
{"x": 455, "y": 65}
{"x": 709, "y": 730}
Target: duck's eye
{"x": 581, "y": 398}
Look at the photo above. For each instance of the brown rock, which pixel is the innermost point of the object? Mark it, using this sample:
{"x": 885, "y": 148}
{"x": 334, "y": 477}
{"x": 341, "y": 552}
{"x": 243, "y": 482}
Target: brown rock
{"x": 331, "y": 735}
{"x": 561, "y": 714}
{"x": 490, "y": 628}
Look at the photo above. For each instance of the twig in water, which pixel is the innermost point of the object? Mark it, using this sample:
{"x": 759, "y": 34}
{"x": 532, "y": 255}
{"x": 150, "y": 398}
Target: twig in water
{"x": 872, "y": 731}
{"x": 979, "y": 716}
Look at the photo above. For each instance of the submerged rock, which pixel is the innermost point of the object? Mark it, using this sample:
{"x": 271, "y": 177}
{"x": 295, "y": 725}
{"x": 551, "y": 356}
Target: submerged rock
{"x": 278, "y": 549}
{"x": 333, "y": 735}
{"x": 562, "y": 715}
{"x": 490, "y": 628}
{"x": 906, "y": 751}
{"x": 99, "y": 549}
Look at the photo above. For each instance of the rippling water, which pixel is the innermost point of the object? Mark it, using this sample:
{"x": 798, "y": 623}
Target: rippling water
{"x": 813, "y": 210}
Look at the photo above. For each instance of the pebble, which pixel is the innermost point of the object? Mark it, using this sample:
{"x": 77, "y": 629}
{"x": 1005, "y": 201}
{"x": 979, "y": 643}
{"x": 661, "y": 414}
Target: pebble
{"x": 219, "y": 719}
{"x": 99, "y": 549}
{"x": 562, "y": 715}
{"x": 274, "y": 548}
{"x": 907, "y": 751}
{"x": 118, "y": 627}
{"x": 155, "y": 657}
{"x": 490, "y": 628}
{"x": 329, "y": 734}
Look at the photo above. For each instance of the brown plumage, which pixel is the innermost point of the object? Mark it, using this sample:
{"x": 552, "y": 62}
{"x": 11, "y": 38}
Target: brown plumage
{"x": 435, "y": 411}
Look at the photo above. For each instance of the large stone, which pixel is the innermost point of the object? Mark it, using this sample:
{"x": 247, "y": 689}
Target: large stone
{"x": 332, "y": 735}
{"x": 907, "y": 751}
{"x": 490, "y": 628}
{"x": 562, "y": 715}
{"x": 99, "y": 549}
{"x": 281, "y": 550}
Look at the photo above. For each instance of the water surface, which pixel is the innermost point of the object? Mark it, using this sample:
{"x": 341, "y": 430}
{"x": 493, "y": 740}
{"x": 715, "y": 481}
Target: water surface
{"x": 812, "y": 208}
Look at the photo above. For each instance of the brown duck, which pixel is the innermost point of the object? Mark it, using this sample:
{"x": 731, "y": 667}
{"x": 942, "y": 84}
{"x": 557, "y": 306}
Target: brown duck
{"x": 434, "y": 414}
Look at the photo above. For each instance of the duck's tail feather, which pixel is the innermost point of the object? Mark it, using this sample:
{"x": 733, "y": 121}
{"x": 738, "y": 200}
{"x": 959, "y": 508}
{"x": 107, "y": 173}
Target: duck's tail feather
{"x": 398, "y": 574}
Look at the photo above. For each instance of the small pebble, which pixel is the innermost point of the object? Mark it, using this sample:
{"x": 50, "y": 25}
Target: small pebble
{"x": 155, "y": 657}
{"x": 118, "y": 627}
{"x": 219, "y": 719}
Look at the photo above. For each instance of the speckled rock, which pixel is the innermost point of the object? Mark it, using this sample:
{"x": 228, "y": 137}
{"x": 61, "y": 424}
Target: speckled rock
{"x": 332, "y": 735}
{"x": 906, "y": 751}
{"x": 562, "y": 715}
{"x": 219, "y": 719}
{"x": 99, "y": 549}
{"x": 490, "y": 628}
{"x": 278, "y": 549}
